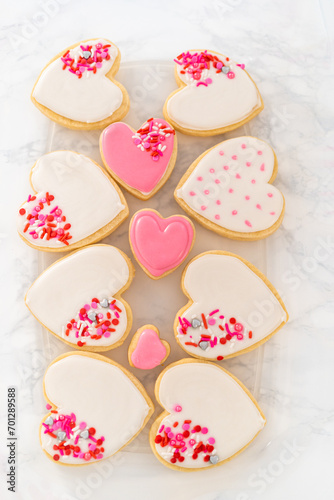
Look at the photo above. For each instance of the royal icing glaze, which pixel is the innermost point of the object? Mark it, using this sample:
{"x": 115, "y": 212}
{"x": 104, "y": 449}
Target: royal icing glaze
{"x": 232, "y": 307}
{"x": 216, "y": 92}
{"x": 149, "y": 351}
{"x": 74, "y": 199}
{"x": 139, "y": 159}
{"x": 160, "y": 244}
{"x": 229, "y": 186}
{"x": 90, "y": 394}
{"x": 75, "y": 84}
{"x": 75, "y": 297}
{"x": 210, "y": 417}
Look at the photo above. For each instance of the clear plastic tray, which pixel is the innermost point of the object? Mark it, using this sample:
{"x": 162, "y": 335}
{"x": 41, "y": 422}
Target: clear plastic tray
{"x": 148, "y": 84}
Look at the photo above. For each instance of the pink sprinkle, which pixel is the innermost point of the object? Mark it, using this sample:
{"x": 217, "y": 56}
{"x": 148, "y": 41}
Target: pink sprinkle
{"x": 192, "y": 442}
{"x": 167, "y": 430}
{"x": 211, "y": 321}
{"x": 234, "y": 212}
{"x": 259, "y": 206}
{"x": 87, "y": 307}
{"x": 82, "y": 425}
{"x": 247, "y": 197}
{"x": 192, "y": 193}
{"x": 203, "y": 207}
{"x": 248, "y": 163}
{"x": 272, "y": 213}
{"x": 106, "y": 334}
{"x": 161, "y": 429}
{"x": 230, "y": 75}
{"x": 230, "y": 190}
{"x": 238, "y": 176}
{"x": 211, "y": 440}
{"x": 234, "y": 157}
{"x": 172, "y": 442}
{"x": 213, "y": 312}
{"x": 206, "y": 191}
{"x": 253, "y": 181}
{"x": 212, "y": 170}
{"x": 99, "y": 331}
{"x": 218, "y": 202}
{"x": 208, "y": 80}
{"x": 184, "y": 449}
{"x": 185, "y": 427}
{"x": 48, "y": 407}
{"x": 243, "y": 146}
{"x": 199, "y": 178}
{"x": 205, "y": 430}
{"x": 226, "y": 167}
{"x": 179, "y": 437}
{"x": 262, "y": 167}
{"x": 270, "y": 195}
{"x": 178, "y": 408}
{"x": 94, "y": 305}
{"x": 259, "y": 153}
{"x": 221, "y": 153}
{"x": 217, "y": 216}
{"x": 248, "y": 223}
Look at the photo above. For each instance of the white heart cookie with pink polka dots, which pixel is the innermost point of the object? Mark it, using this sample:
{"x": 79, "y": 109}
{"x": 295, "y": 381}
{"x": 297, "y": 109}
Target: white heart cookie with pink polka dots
{"x": 228, "y": 189}
{"x": 209, "y": 416}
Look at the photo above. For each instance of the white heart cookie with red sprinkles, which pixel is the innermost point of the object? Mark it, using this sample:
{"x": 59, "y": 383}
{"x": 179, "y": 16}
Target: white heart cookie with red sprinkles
{"x": 229, "y": 190}
{"x": 78, "y": 298}
{"x": 209, "y": 416}
{"x": 232, "y": 308}
{"x": 95, "y": 408}
{"x": 74, "y": 203}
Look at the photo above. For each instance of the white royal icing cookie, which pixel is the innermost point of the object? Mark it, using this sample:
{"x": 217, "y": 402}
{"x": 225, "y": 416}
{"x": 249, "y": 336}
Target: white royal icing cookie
{"x": 78, "y": 298}
{"x": 209, "y": 416}
{"x": 77, "y": 85}
{"x": 228, "y": 189}
{"x": 96, "y": 407}
{"x": 75, "y": 203}
{"x": 233, "y": 308}
{"x": 216, "y": 94}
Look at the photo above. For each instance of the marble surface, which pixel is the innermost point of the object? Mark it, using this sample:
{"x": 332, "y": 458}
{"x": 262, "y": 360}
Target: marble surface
{"x": 287, "y": 47}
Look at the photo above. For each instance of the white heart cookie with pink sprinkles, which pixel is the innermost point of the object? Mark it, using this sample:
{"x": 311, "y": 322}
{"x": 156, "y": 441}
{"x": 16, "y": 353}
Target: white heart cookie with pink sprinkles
{"x": 95, "y": 408}
{"x": 209, "y": 416}
{"x": 229, "y": 189}
{"x": 78, "y": 298}
{"x": 232, "y": 308}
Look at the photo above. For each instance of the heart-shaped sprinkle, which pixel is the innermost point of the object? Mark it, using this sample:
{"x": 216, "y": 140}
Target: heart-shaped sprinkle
{"x": 49, "y": 420}
{"x": 204, "y": 344}
{"x": 214, "y": 459}
{"x": 104, "y": 303}
{"x": 84, "y": 434}
{"x": 195, "y": 323}
{"x": 61, "y": 435}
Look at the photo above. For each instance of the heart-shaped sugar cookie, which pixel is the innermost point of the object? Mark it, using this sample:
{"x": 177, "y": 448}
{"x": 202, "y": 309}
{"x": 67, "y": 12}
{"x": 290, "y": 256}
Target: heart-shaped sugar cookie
{"x": 78, "y": 298}
{"x": 141, "y": 161}
{"x": 228, "y": 189}
{"x": 232, "y": 307}
{"x": 209, "y": 416}
{"x": 74, "y": 203}
{"x": 146, "y": 349}
{"x": 96, "y": 407}
{"x": 160, "y": 245}
{"x": 77, "y": 89}
{"x": 215, "y": 95}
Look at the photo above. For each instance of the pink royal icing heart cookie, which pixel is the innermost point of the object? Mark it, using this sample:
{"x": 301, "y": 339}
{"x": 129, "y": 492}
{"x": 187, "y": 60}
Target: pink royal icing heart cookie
{"x": 146, "y": 349}
{"x": 160, "y": 245}
{"x": 141, "y": 161}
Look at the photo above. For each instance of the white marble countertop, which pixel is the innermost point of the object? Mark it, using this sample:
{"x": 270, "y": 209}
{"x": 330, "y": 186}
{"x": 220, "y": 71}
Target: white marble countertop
{"x": 287, "y": 46}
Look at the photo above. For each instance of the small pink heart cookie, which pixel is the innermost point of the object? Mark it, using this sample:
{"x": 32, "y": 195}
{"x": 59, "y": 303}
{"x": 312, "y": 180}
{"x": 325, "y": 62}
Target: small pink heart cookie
{"x": 141, "y": 161}
{"x": 160, "y": 245}
{"x": 147, "y": 350}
